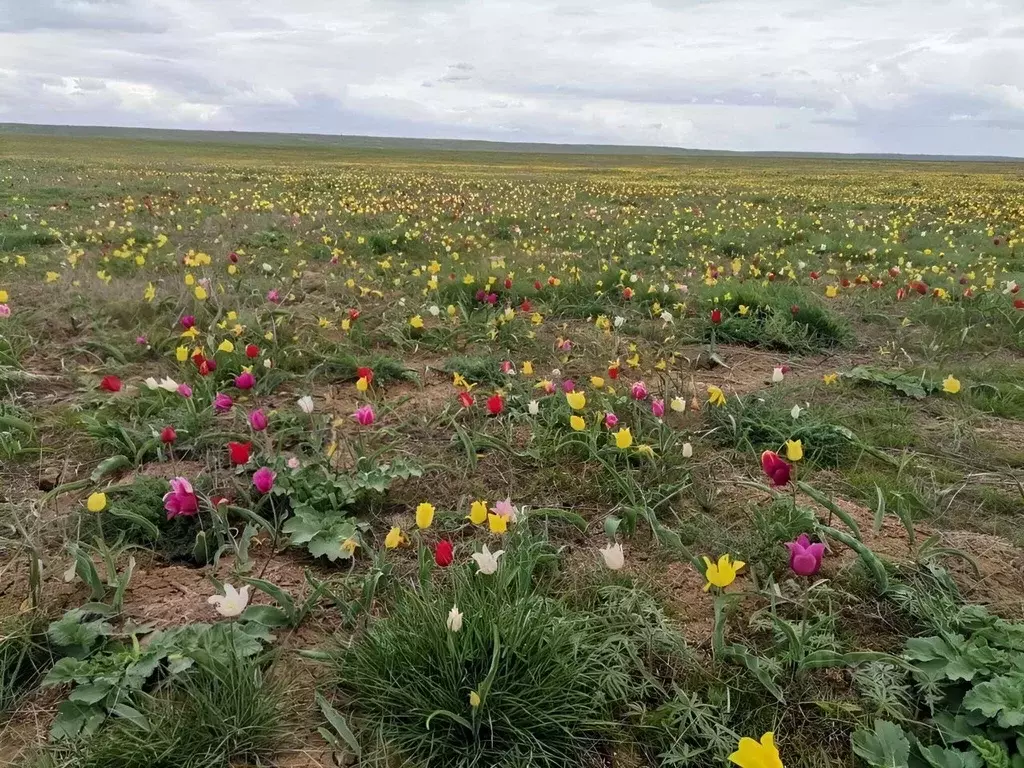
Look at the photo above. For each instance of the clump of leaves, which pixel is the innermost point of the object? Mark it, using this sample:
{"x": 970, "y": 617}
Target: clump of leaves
{"x": 324, "y": 503}
{"x": 525, "y": 681}
{"x": 917, "y": 387}
{"x": 783, "y": 319}
{"x": 24, "y": 655}
{"x": 765, "y": 423}
{"x": 225, "y": 710}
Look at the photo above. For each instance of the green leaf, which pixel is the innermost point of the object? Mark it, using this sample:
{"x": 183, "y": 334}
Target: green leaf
{"x": 871, "y": 560}
{"x": 267, "y": 615}
{"x": 338, "y": 724}
{"x": 109, "y": 465}
{"x": 1001, "y": 698}
{"x": 884, "y": 747}
{"x": 281, "y": 597}
{"x": 131, "y": 714}
{"x": 831, "y": 506}
{"x": 994, "y": 754}
{"x": 136, "y": 519}
{"x": 71, "y": 719}
{"x": 91, "y": 693}
{"x": 937, "y": 757}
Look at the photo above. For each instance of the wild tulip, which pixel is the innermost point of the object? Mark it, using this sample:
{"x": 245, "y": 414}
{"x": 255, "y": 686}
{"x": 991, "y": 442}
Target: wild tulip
{"x": 188, "y": 321}
{"x": 613, "y": 557}
{"x": 365, "y": 373}
{"x": 252, "y": 351}
{"x": 495, "y": 404}
{"x": 454, "y": 621}
{"x": 805, "y": 557}
{"x": 611, "y": 420}
{"x": 263, "y": 479}
{"x": 723, "y": 573}
{"x": 364, "y": 415}
{"x": 245, "y": 380}
{"x": 487, "y": 561}
{"x": 753, "y": 754}
{"x": 478, "y": 512}
{"x": 239, "y": 452}
{"x": 497, "y": 524}
{"x": 181, "y": 500}
{"x": 533, "y": 407}
{"x": 506, "y": 509}
{"x": 569, "y": 386}
{"x": 776, "y": 468}
{"x": 716, "y": 316}
{"x": 638, "y": 391}
{"x": 168, "y": 435}
{"x": 222, "y": 403}
{"x": 394, "y": 537}
{"x": 232, "y": 602}
{"x": 96, "y": 502}
{"x": 184, "y": 390}
{"x": 658, "y": 408}
{"x": 424, "y": 514}
{"x": 466, "y": 401}
{"x": 110, "y": 384}
{"x": 258, "y": 420}
{"x": 444, "y": 553}
{"x": 306, "y": 404}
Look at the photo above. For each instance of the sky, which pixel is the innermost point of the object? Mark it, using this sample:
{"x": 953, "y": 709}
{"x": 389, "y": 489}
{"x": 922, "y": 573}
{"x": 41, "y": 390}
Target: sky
{"x": 908, "y": 76}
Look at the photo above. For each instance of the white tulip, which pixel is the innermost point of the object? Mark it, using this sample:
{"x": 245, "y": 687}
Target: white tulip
{"x": 533, "y": 407}
{"x": 687, "y": 450}
{"x": 677, "y": 404}
{"x": 795, "y": 413}
{"x": 454, "y": 622}
{"x": 306, "y": 404}
{"x": 619, "y": 321}
{"x": 169, "y": 384}
{"x": 152, "y": 383}
{"x": 486, "y": 561}
{"x": 232, "y": 602}
{"x": 614, "y": 558}
{"x": 777, "y": 374}
{"x": 434, "y": 310}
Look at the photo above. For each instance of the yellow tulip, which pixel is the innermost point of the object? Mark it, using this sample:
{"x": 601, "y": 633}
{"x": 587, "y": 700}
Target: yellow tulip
{"x": 716, "y": 396}
{"x": 200, "y": 293}
{"x": 96, "y": 502}
{"x": 362, "y": 384}
{"x": 416, "y": 321}
{"x": 497, "y": 523}
{"x": 723, "y": 573}
{"x": 527, "y": 368}
{"x": 753, "y": 754}
{"x": 478, "y": 512}
{"x": 950, "y": 385}
{"x": 577, "y": 423}
{"x": 830, "y": 378}
{"x": 394, "y": 538}
{"x": 181, "y": 354}
{"x": 226, "y": 346}
{"x": 474, "y": 699}
{"x": 576, "y": 400}
{"x": 794, "y": 450}
{"x": 623, "y": 438}
{"x": 424, "y": 515}
{"x": 596, "y": 382}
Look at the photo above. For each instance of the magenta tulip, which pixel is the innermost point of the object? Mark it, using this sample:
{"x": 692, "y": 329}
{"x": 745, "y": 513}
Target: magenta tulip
{"x": 222, "y": 403}
{"x": 263, "y": 479}
{"x": 258, "y": 420}
{"x": 364, "y": 415}
{"x": 245, "y": 380}
{"x": 805, "y": 557}
{"x": 181, "y": 499}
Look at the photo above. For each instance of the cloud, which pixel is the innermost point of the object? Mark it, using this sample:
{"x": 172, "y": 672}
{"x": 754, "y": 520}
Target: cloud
{"x": 942, "y": 76}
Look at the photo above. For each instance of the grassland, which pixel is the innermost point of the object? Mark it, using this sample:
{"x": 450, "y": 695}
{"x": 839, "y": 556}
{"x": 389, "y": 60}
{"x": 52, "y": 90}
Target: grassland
{"x": 608, "y": 343}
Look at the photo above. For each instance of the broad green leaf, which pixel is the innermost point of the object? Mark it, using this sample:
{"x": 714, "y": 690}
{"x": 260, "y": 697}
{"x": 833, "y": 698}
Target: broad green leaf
{"x": 884, "y": 747}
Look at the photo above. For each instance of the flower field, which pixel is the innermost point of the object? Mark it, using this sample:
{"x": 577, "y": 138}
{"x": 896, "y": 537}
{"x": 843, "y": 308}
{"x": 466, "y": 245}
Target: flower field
{"x": 384, "y": 458}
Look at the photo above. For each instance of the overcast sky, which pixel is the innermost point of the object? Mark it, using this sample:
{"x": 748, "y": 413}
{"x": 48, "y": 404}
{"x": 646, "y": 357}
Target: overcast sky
{"x": 931, "y": 76}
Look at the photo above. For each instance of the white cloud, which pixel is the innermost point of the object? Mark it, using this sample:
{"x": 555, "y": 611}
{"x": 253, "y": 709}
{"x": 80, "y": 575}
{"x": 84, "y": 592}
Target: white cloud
{"x": 863, "y": 75}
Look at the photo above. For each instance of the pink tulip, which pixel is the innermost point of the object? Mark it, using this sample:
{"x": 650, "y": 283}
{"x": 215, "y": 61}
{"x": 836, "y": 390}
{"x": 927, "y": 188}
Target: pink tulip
{"x": 258, "y": 420}
{"x": 263, "y": 479}
{"x": 5, "y": 311}
{"x": 184, "y": 390}
{"x": 188, "y": 321}
{"x": 364, "y": 415}
{"x": 222, "y": 403}
{"x": 658, "y": 408}
{"x": 568, "y": 385}
{"x": 245, "y": 380}
{"x": 805, "y": 557}
{"x": 181, "y": 499}
{"x": 639, "y": 391}
{"x": 611, "y": 420}
{"x": 273, "y": 296}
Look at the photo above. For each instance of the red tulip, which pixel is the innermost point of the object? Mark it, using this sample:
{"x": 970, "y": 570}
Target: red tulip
{"x": 365, "y": 373}
{"x": 508, "y": 283}
{"x": 168, "y": 435}
{"x": 495, "y": 404}
{"x": 627, "y": 293}
{"x": 444, "y": 554}
{"x": 465, "y": 399}
{"x": 526, "y": 306}
{"x": 233, "y": 257}
{"x": 110, "y": 384}
{"x": 251, "y": 351}
{"x": 815, "y": 275}
{"x": 536, "y": 285}
{"x": 794, "y": 310}
{"x": 1018, "y": 303}
{"x": 776, "y": 468}
{"x": 716, "y": 316}
{"x": 239, "y": 452}
{"x": 353, "y": 315}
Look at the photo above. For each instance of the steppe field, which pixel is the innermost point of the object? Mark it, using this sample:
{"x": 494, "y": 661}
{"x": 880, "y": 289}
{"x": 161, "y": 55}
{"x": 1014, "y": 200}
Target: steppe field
{"x": 317, "y": 456}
